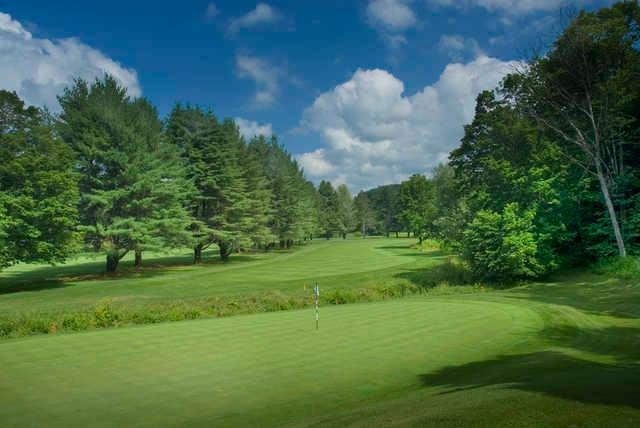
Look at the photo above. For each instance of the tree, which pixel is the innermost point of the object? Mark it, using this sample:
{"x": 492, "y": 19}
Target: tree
{"x": 416, "y": 202}
{"x": 346, "y": 210}
{"x": 330, "y": 220}
{"x": 212, "y": 152}
{"x": 364, "y": 214}
{"x": 582, "y": 90}
{"x": 132, "y": 185}
{"x": 501, "y": 246}
{"x": 38, "y": 189}
{"x": 294, "y": 199}
{"x": 384, "y": 202}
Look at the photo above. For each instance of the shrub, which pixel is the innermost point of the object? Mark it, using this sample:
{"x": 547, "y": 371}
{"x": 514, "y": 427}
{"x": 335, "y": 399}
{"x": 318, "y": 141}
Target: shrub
{"x": 621, "y": 267}
{"x": 502, "y": 246}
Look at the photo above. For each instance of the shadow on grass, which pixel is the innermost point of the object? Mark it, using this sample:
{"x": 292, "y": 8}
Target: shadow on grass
{"x": 449, "y": 273}
{"x": 586, "y": 291}
{"x": 609, "y": 373}
{"x": 547, "y": 372}
{"x": 48, "y": 277}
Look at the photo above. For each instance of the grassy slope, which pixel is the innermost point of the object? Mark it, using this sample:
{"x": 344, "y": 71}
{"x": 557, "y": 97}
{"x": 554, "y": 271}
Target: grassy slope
{"x": 559, "y": 353}
{"x": 554, "y": 354}
{"x": 335, "y": 264}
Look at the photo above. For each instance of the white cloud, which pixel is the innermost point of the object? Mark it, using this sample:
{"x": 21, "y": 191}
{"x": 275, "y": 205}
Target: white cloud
{"x": 456, "y": 46}
{"x": 212, "y": 11}
{"x": 250, "y": 129}
{"x": 262, "y": 14}
{"x": 314, "y": 163}
{"x": 265, "y": 75}
{"x": 375, "y": 134}
{"x": 513, "y": 7}
{"x": 39, "y": 69}
{"x": 391, "y": 15}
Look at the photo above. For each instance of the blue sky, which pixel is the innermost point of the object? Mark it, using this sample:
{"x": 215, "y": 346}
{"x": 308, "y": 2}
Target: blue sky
{"x": 363, "y": 92}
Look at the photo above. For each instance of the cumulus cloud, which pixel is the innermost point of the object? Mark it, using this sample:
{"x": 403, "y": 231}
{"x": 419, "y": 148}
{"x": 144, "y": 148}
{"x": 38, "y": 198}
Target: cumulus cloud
{"x": 375, "y": 134}
{"x": 263, "y": 14}
{"x": 265, "y": 75}
{"x": 39, "y": 69}
{"x": 456, "y": 47}
{"x": 391, "y": 15}
{"x": 510, "y": 6}
{"x": 250, "y": 129}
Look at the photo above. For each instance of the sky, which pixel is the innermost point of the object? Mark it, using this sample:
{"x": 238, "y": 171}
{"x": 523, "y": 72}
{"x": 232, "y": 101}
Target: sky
{"x": 361, "y": 92}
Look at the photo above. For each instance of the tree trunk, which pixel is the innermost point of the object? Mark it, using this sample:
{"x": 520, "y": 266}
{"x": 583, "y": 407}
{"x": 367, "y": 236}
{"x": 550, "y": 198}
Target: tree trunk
{"x": 420, "y": 239}
{"x": 364, "y": 229}
{"x": 225, "y": 250}
{"x": 396, "y": 233}
{"x": 112, "y": 262}
{"x": 408, "y": 234}
{"x": 138, "y": 259}
{"x": 197, "y": 254}
{"x": 612, "y": 211}
{"x": 344, "y": 236}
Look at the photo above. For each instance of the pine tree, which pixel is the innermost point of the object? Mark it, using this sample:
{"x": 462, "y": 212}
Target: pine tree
{"x": 132, "y": 186}
{"x": 346, "y": 210}
{"x": 221, "y": 202}
{"x": 329, "y": 219}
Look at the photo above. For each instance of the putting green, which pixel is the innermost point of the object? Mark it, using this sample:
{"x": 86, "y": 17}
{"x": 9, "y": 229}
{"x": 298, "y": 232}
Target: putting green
{"x": 267, "y": 369}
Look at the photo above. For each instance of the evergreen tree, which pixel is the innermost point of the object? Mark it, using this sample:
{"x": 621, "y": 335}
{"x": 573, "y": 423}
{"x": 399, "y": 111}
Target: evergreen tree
{"x": 364, "y": 213}
{"x": 132, "y": 186}
{"x": 346, "y": 210}
{"x": 213, "y": 152}
{"x": 38, "y": 189}
{"x": 329, "y": 216}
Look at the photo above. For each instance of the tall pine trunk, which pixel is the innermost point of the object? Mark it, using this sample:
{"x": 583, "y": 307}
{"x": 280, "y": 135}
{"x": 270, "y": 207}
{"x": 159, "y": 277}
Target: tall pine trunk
{"x": 197, "y": 254}
{"x": 112, "y": 262}
{"x": 138, "y": 259}
{"x": 225, "y": 250}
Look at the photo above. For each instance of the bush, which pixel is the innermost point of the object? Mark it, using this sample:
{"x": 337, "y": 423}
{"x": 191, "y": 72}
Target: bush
{"x": 621, "y": 267}
{"x": 502, "y": 246}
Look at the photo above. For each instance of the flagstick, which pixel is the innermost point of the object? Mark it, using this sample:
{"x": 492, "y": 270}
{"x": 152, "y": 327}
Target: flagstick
{"x": 316, "y": 292}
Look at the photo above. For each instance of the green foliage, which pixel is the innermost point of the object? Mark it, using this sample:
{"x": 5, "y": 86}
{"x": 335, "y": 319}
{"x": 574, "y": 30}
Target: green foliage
{"x": 383, "y": 201}
{"x": 294, "y": 200}
{"x": 38, "y": 189}
{"x": 365, "y": 216}
{"x": 620, "y": 267}
{"x": 346, "y": 210}
{"x": 329, "y": 211}
{"x": 416, "y": 205}
{"x": 133, "y": 186}
{"x": 500, "y": 246}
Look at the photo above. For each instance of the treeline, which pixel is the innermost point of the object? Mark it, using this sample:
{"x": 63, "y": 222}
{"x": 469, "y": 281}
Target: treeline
{"x": 548, "y": 172}
{"x": 109, "y": 175}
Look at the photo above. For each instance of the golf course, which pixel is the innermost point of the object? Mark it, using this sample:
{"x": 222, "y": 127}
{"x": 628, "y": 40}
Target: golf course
{"x": 564, "y": 351}
{"x": 372, "y": 213}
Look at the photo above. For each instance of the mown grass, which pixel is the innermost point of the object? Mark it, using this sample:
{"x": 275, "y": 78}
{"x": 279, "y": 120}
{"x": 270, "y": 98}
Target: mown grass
{"x": 564, "y": 352}
{"x": 44, "y": 299}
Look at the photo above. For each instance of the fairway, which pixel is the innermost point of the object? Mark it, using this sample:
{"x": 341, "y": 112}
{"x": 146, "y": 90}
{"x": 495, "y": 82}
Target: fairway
{"x": 335, "y": 263}
{"x": 474, "y": 359}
